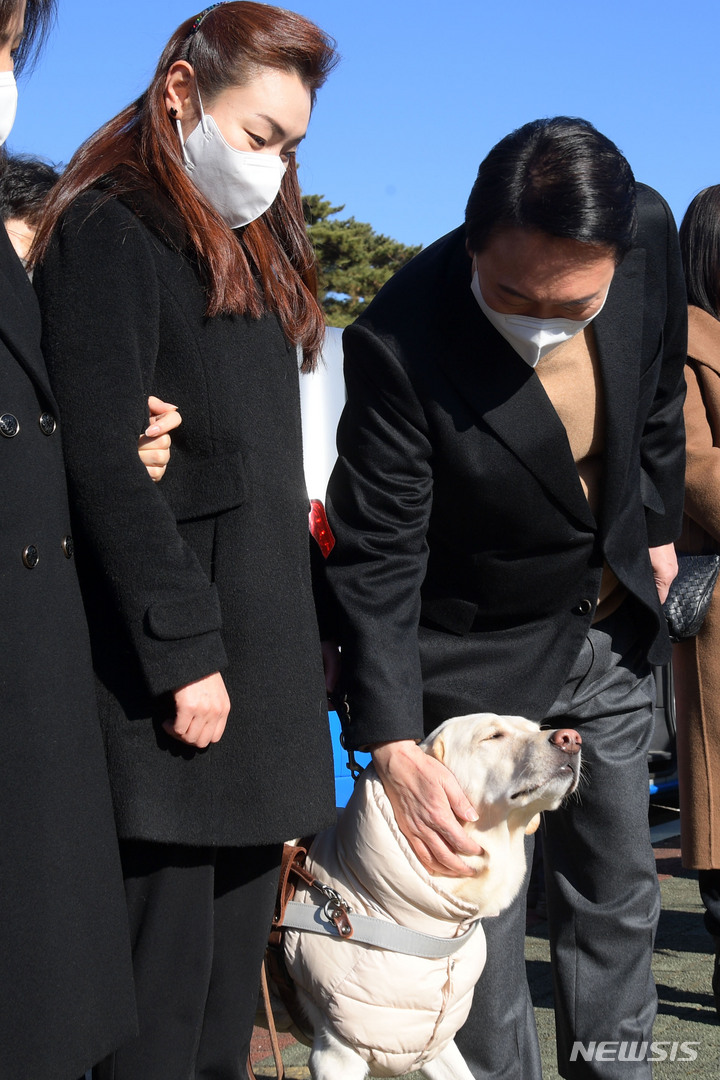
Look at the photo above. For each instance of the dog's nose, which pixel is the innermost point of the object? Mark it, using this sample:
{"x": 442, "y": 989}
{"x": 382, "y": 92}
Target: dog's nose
{"x": 567, "y": 740}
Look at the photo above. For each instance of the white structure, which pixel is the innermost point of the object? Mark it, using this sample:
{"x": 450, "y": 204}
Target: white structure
{"x": 322, "y": 397}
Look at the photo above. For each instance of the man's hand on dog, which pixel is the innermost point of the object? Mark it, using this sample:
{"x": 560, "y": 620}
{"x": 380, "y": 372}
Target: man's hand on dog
{"x": 429, "y": 806}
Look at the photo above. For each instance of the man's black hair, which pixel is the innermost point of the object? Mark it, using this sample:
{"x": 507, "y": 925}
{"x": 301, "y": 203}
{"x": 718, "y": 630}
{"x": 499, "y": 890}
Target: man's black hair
{"x": 559, "y": 176}
{"x": 700, "y": 248}
{"x": 24, "y": 185}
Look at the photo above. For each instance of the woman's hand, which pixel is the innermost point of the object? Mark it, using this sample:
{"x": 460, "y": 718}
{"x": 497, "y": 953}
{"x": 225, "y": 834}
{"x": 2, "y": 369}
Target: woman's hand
{"x": 154, "y": 445}
{"x": 201, "y": 712}
{"x": 429, "y": 805}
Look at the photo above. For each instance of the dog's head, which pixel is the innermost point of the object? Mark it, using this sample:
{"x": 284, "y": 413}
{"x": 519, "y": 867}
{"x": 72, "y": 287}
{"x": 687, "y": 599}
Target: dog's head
{"x": 507, "y": 765}
{"x": 510, "y": 770}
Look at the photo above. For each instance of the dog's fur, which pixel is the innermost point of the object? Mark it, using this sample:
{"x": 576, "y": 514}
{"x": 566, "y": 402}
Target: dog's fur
{"x": 510, "y": 770}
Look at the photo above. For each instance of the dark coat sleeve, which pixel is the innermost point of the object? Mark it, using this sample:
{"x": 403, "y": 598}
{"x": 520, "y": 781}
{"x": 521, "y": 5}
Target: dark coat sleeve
{"x": 99, "y": 295}
{"x": 380, "y": 493}
{"x": 662, "y": 443}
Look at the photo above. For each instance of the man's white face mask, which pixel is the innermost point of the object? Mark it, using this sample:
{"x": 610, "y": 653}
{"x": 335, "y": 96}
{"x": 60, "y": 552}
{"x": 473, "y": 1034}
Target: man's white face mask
{"x": 531, "y": 338}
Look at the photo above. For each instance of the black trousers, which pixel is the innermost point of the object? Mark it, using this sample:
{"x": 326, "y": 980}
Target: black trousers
{"x": 603, "y": 897}
{"x": 199, "y": 920}
{"x": 709, "y": 883}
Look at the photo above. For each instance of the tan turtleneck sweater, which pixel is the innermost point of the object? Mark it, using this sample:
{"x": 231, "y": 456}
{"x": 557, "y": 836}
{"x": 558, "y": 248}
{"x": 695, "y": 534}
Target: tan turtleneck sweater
{"x": 570, "y": 375}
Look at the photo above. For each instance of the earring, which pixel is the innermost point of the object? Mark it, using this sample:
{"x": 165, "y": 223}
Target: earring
{"x": 173, "y": 113}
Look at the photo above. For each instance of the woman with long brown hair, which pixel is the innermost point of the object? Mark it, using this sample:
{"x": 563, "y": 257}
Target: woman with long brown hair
{"x": 175, "y": 260}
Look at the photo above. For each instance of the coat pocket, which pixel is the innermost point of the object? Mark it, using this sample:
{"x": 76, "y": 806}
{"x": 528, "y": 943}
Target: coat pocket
{"x": 449, "y": 613}
{"x": 185, "y": 616}
{"x": 203, "y": 487}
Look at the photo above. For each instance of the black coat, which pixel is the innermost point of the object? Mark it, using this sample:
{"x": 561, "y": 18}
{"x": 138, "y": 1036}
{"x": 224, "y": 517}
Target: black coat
{"x": 209, "y": 569}
{"x": 66, "y": 997}
{"x": 468, "y": 561}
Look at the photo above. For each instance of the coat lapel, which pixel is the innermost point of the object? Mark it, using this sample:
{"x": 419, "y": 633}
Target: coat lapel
{"x": 509, "y": 397}
{"x": 20, "y": 317}
{"x": 618, "y": 335}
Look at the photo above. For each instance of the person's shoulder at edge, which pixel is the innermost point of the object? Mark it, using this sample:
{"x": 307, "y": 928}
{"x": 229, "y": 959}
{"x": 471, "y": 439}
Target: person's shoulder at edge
{"x": 703, "y": 339}
{"x": 653, "y": 210}
{"x": 413, "y": 294}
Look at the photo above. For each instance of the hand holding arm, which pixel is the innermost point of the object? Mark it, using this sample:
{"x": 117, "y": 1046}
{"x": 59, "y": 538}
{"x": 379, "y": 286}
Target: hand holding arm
{"x": 665, "y": 568}
{"x": 429, "y": 806}
{"x": 154, "y": 445}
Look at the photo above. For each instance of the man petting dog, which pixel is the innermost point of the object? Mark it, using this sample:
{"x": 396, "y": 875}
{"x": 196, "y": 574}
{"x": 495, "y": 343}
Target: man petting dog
{"x": 507, "y": 493}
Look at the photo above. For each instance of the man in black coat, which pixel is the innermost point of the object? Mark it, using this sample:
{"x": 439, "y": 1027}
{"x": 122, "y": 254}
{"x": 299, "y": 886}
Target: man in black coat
{"x": 507, "y": 493}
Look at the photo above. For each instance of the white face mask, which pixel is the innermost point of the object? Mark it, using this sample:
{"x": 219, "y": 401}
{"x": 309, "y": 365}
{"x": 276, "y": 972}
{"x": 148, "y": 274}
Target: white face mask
{"x": 531, "y": 338}
{"x": 8, "y": 103}
{"x": 240, "y": 184}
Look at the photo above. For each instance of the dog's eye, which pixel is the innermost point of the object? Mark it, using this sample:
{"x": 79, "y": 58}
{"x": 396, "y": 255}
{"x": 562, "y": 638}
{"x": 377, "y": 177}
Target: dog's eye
{"x": 495, "y": 735}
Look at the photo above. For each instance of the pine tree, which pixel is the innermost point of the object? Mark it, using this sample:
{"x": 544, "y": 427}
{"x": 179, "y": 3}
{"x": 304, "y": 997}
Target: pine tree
{"x": 354, "y": 261}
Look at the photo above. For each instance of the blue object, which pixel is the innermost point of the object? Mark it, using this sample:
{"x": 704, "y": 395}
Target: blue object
{"x": 659, "y": 786}
{"x": 343, "y": 780}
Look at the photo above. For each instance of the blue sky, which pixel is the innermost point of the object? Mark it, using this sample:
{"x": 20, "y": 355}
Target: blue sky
{"x": 424, "y": 90}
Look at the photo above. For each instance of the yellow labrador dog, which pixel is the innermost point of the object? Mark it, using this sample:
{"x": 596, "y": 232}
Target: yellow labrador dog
{"x": 385, "y": 968}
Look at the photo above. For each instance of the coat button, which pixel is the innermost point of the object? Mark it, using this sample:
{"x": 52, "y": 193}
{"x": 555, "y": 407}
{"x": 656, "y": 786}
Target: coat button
{"x": 68, "y": 547}
{"x": 47, "y": 423}
{"x": 584, "y": 607}
{"x": 9, "y": 425}
{"x": 31, "y": 556}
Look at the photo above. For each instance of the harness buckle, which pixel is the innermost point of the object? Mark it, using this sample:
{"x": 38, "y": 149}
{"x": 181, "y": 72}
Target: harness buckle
{"x": 337, "y": 910}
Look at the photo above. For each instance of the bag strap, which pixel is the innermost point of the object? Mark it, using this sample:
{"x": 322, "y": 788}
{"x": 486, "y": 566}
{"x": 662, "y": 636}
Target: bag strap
{"x": 292, "y": 870}
{"x": 292, "y": 867}
{"x": 272, "y": 1030}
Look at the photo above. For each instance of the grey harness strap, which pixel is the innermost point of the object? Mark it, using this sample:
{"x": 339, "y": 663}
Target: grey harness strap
{"x": 379, "y": 932}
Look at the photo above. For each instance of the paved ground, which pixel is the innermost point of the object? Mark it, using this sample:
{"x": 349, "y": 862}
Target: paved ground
{"x": 682, "y": 965}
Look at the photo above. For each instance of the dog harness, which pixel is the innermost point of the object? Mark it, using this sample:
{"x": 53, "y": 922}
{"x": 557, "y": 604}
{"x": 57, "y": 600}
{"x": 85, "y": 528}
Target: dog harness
{"x": 363, "y": 929}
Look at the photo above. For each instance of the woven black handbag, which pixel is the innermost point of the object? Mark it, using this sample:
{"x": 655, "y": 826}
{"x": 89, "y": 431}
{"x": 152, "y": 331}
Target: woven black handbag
{"x": 690, "y": 594}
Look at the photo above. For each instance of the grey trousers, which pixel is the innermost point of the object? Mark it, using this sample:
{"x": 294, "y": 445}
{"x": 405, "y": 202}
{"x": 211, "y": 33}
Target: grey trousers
{"x": 603, "y": 897}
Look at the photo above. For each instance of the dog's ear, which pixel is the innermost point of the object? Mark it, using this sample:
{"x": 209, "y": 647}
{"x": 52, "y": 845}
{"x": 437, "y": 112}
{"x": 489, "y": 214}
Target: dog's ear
{"x": 532, "y": 825}
{"x": 437, "y": 748}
